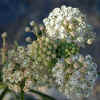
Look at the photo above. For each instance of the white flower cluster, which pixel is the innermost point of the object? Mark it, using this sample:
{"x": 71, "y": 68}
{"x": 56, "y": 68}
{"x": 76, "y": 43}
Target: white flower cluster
{"x": 81, "y": 81}
{"x": 58, "y": 72}
{"x": 20, "y": 69}
{"x": 69, "y": 23}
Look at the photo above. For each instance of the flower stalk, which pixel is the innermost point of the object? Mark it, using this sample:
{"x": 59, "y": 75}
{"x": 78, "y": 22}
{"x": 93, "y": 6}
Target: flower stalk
{"x": 4, "y": 35}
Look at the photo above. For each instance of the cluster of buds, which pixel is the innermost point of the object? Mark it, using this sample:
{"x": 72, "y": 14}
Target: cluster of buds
{"x": 43, "y": 51}
{"x": 34, "y": 28}
{"x": 66, "y": 49}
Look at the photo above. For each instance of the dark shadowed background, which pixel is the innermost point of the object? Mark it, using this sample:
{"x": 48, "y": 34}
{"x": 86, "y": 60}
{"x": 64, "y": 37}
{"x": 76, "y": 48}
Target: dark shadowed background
{"x": 16, "y": 14}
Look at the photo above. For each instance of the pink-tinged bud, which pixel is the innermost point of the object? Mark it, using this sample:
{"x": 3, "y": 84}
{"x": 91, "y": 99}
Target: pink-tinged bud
{"x": 65, "y": 22}
{"x": 41, "y": 27}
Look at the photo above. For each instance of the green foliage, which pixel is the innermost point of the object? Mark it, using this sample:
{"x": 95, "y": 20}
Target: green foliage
{"x": 66, "y": 49}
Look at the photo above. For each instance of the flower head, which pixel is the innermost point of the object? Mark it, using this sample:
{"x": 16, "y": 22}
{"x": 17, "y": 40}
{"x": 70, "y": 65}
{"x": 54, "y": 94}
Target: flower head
{"x": 67, "y": 21}
{"x": 79, "y": 80}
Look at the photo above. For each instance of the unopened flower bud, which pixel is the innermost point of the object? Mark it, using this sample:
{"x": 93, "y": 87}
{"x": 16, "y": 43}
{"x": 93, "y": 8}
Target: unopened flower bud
{"x": 89, "y": 41}
{"x": 36, "y": 30}
{"x": 4, "y": 35}
{"x": 27, "y": 29}
{"x": 28, "y": 39}
{"x": 80, "y": 39}
{"x": 32, "y": 23}
{"x": 41, "y": 27}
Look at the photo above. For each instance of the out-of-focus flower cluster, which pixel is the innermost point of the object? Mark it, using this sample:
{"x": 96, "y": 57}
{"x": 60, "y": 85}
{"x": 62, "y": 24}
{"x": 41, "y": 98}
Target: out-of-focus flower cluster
{"x": 17, "y": 69}
{"x": 27, "y": 69}
{"x": 21, "y": 69}
{"x": 76, "y": 75}
{"x": 69, "y": 23}
{"x": 53, "y": 58}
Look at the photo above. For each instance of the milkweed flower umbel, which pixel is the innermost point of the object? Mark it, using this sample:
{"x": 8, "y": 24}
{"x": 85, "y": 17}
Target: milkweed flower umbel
{"x": 79, "y": 80}
{"x": 19, "y": 69}
{"x": 69, "y": 22}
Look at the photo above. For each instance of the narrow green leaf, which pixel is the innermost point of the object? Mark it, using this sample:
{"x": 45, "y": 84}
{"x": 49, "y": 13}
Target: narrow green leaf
{"x": 44, "y": 96}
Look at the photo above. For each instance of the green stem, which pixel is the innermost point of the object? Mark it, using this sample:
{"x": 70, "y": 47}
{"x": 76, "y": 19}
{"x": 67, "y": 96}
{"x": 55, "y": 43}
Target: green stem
{"x": 22, "y": 87}
{"x": 42, "y": 95}
{"x": 22, "y": 95}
